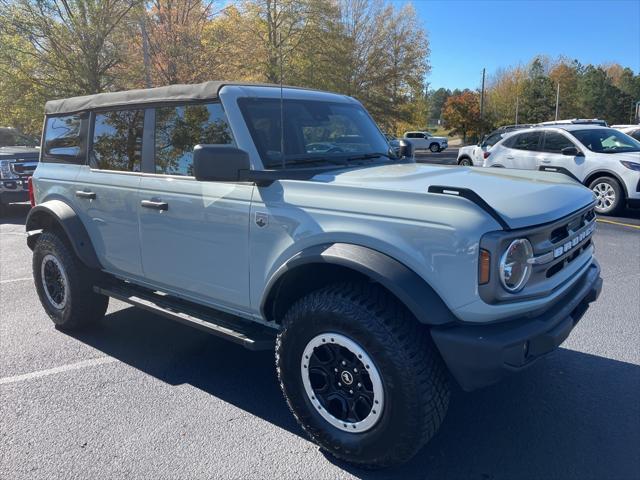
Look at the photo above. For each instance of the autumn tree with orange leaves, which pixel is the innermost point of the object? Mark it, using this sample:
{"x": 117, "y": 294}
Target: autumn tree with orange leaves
{"x": 461, "y": 113}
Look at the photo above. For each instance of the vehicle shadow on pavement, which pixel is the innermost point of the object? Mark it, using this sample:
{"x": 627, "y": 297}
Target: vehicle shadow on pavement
{"x": 15, "y": 213}
{"x": 572, "y": 415}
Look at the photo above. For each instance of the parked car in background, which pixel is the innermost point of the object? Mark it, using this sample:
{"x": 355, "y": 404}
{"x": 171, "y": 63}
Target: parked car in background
{"x": 12, "y": 137}
{"x": 604, "y": 159}
{"x": 631, "y": 130}
{"x": 473, "y": 155}
{"x": 426, "y": 141}
{"x": 17, "y": 164}
{"x": 575, "y": 121}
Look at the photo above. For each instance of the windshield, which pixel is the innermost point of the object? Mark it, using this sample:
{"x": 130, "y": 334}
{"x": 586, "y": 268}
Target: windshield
{"x": 315, "y": 132}
{"x": 606, "y": 140}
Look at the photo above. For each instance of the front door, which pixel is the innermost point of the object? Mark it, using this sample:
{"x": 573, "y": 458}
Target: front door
{"x": 551, "y": 158}
{"x": 194, "y": 235}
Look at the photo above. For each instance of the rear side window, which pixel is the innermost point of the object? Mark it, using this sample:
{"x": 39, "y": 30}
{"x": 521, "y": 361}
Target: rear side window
{"x": 180, "y": 128}
{"x": 117, "y": 141}
{"x": 554, "y": 142}
{"x": 491, "y": 140}
{"x": 525, "y": 141}
{"x": 62, "y": 138}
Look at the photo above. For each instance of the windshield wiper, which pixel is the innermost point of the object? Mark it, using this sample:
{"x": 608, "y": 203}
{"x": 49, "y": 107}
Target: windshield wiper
{"x": 313, "y": 160}
{"x": 367, "y": 156}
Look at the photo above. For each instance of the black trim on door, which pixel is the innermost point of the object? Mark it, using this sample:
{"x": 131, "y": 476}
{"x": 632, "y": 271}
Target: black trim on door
{"x": 149, "y": 141}
{"x": 551, "y": 168}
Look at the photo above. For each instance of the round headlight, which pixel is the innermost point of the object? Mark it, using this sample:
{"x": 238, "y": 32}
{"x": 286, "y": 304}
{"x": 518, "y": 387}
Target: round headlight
{"x": 515, "y": 268}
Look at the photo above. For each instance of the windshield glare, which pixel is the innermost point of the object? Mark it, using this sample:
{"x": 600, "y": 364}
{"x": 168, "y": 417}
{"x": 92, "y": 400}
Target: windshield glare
{"x": 606, "y": 140}
{"x": 315, "y": 132}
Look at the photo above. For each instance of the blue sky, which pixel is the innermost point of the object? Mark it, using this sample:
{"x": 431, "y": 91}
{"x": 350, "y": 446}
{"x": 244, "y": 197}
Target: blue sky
{"x": 467, "y": 35}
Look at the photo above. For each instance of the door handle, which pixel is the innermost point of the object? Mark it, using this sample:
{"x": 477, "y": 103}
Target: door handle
{"x": 87, "y": 195}
{"x": 510, "y": 157}
{"x": 156, "y": 205}
{"x": 546, "y": 161}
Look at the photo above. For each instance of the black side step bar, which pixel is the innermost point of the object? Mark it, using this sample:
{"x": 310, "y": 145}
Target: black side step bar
{"x": 236, "y": 329}
{"x": 473, "y": 197}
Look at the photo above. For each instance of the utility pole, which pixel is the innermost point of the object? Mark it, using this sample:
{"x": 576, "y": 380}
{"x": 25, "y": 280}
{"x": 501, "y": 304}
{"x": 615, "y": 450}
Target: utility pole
{"x": 145, "y": 52}
{"x": 557, "y": 100}
{"x": 517, "y": 98}
{"x": 482, "y": 106}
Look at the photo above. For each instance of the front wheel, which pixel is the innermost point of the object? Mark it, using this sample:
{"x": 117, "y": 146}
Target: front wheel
{"x": 64, "y": 284}
{"x": 360, "y": 375}
{"x": 609, "y": 196}
{"x": 434, "y": 147}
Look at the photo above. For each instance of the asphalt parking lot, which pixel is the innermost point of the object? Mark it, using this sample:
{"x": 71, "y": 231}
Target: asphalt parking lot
{"x": 448, "y": 157}
{"x": 142, "y": 397}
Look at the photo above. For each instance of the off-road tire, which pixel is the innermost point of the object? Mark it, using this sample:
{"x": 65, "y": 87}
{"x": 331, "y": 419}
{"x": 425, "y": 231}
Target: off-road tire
{"x": 82, "y": 306}
{"x": 434, "y": 147}
{"x": 612, "y": 184}
{"x": 414, "y": 378}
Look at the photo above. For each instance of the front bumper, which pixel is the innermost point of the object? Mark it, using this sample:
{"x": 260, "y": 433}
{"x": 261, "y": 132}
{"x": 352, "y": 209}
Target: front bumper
{"x": 479, "y": 355}
{"x": 14, "y": 190}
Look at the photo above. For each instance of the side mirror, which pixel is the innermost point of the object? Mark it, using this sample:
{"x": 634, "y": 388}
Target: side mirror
{"x": 406, "y": 149}
{"x": 219, "y": 163}
{"x": 571, "y": 151}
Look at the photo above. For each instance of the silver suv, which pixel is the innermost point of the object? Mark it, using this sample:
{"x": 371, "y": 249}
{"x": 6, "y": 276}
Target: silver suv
{"x": 282, "y": 218}
{"x": 604, "y": 159}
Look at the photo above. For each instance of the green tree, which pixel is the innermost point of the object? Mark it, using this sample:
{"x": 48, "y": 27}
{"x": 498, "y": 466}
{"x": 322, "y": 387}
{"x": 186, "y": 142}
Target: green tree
{"x": 538, "y": 95}
{"x": 437, "y": 99}
{"x": 73, "y": 42}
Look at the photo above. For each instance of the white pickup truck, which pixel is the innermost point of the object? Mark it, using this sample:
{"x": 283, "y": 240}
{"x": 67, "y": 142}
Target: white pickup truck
{"x": 426, "y": 141}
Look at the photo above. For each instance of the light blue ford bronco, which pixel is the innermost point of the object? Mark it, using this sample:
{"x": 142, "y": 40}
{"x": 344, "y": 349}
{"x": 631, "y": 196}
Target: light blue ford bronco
{"x": 281, "y": 217}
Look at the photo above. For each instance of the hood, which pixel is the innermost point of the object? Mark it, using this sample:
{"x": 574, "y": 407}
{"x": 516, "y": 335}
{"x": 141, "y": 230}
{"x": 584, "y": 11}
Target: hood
{"x": 440, "y": 139}
{"x": 522, "y": 198}
{"x": 626, "y": 156}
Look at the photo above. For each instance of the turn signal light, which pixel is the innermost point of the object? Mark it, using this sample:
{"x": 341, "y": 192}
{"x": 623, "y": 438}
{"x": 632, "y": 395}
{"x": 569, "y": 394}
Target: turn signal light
{"x": 32, "y": 197}
{"x": 484, "y": 267}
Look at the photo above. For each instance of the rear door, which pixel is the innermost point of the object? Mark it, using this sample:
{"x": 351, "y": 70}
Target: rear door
{"x": 107, "y": 189}
{"x": 194, "y": 235}
{"x": 522, "y": 149}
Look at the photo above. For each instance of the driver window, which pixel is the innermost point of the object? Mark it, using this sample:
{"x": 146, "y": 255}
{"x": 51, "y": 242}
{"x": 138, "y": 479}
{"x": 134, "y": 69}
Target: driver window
{"x": 180, "y": 128}
{"x": 554, "y": 142}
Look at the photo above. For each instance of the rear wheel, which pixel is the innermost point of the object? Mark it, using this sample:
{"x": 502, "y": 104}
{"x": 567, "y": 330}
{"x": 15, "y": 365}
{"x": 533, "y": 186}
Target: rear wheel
{"x": 434, "y": 147}
{"x": 360, "y": 375}
{"x": 65, "y": 285}
{"x": 465, "y": 162}
{"x": 609, "y": 196}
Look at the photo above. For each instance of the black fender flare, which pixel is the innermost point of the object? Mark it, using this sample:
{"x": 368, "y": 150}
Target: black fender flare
{"x": 408, "y": 287}
{"x": 56, "y": 213}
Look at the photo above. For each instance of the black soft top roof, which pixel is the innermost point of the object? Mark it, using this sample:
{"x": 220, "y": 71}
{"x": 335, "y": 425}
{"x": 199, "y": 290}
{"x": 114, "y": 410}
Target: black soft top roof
{"x": 171, "y": 93}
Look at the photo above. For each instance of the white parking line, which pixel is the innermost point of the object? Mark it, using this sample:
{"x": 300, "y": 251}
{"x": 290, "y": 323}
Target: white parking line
{"x": 11, "y": 280}
{"x": 52, "y": 371}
